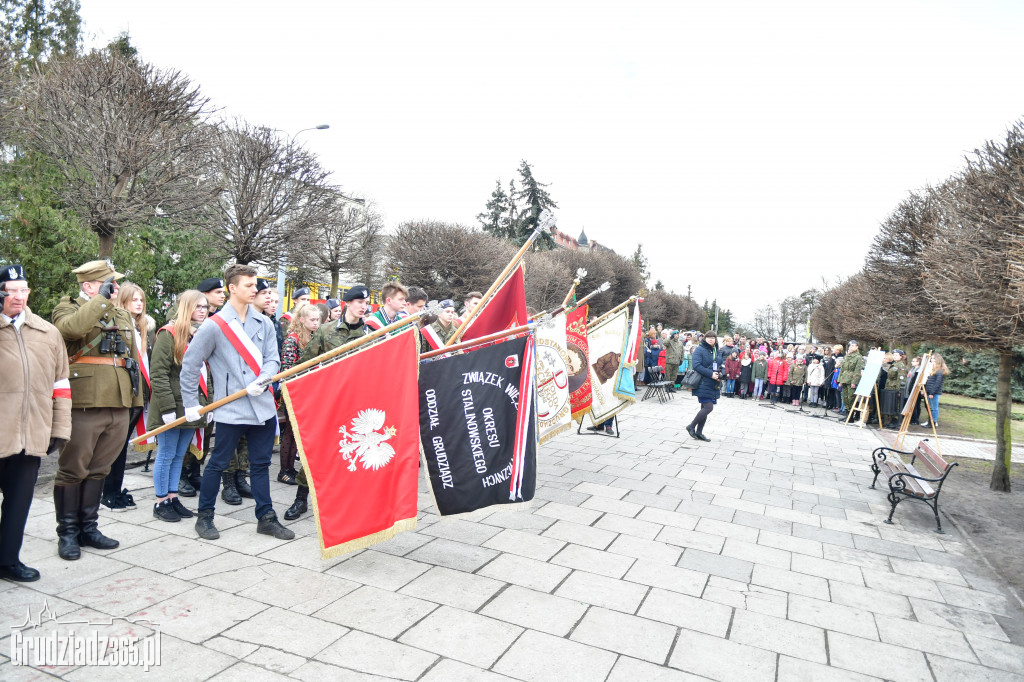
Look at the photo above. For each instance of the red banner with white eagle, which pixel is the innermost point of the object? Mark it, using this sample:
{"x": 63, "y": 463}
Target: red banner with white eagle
{"x": 580, "y": 394}
{"x": 359, "y": 443}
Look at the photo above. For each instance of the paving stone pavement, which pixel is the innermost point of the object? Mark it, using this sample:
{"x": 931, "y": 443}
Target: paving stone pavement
{"x": 758, "y": 556}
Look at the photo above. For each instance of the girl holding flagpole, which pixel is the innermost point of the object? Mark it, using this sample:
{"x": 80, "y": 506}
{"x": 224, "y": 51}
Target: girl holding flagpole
{"x": 305, "y": 321}
{"x": 168, "y": 350}
{"x": 132, "y": 298}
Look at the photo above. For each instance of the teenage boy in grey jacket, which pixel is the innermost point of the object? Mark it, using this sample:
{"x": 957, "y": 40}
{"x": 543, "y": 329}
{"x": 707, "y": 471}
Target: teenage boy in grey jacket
{"x": 240, "y": 346}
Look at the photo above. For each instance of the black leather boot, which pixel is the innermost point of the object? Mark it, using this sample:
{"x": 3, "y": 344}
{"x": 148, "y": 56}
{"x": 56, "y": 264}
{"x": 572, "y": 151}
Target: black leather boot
{"x": 185, "y": 488}
{"x": 299, "y": 506}
{"x": 89, "y": 533}
{"x": 195, "y": 475}
{"x": 229, "y": 493}
{"x": 66, "y": 501}
{"x": 242, "y": 485}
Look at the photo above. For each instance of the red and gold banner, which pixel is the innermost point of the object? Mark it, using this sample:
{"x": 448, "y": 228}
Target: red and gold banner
{"x": 359, "y": 443}
{"x": 580, "y": 396}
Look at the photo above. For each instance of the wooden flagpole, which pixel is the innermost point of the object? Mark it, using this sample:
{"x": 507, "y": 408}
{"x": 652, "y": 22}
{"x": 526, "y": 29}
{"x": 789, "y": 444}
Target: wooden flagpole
{"x": 494, "y": 287}
{"x": 476, "y": 342}
{"x": 616, "y": 309}
{"x": 292, "y": 371}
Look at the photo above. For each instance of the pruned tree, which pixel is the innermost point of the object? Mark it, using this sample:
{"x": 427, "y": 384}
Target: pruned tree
{"x": 273, "y": 194}
{"x": 548, "y": 280}
{"x": 128, "y": 140}
{"x": 966, "y": 272}
{"x": 446, "y": 259}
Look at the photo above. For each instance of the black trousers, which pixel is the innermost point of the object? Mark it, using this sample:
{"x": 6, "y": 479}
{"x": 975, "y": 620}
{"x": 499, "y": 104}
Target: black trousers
{"x": 112, "y": 483}
{"x": 17, "y": 481}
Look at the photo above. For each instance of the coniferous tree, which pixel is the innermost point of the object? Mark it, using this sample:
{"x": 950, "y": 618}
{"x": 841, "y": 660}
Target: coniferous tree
{"x": 535, "y": 199}
{"x": 496, "y": 219}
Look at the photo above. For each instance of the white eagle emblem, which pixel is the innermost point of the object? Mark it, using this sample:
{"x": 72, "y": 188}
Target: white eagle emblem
{"x": 366, "y": 442}
{"x": 12, "y": 273}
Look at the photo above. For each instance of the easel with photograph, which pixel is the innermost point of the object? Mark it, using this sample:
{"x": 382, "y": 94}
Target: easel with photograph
{"x": 862, "y": 404}
{"x": 915, "y": 395}
{"x": 868, "y": 385}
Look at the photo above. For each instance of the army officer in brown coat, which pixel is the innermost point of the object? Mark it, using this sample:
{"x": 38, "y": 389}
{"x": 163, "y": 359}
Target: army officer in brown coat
{"x": 104, "y": 376}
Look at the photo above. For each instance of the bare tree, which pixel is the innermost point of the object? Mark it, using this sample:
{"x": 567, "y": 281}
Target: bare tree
{"x": 548, "y": 281}
{"x": 368, "y": 262}
{"x": 339, "y": 235}
{"x": 127, "y": 139}
{"x": 273, "y": 193}
{"x": 446, "y": 259}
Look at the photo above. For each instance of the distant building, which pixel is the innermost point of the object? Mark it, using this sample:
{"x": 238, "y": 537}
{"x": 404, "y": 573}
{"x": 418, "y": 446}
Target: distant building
{"x": 582, "y": 242}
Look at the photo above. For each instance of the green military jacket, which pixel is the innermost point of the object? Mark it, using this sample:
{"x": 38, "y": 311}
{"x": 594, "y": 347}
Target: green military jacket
{"x": 443, "y": 332}
{"x": 853, "y": 366}
{"x": 331, "y": 335}
{"x": 80, "y": 322}
{"x": 797, "y": 373}
{"x": 673, "y": 352}
{"x": 901, "y": 374}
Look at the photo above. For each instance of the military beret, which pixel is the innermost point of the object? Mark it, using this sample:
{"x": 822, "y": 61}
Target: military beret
{"x": 899, "y": 351}
{"x": 356, "y": 292}
{"x": 261, "y": 284}
{"x": 301, "y": 291}
{"x": 96, "y": 271}
{"x": 209, "y": 284}
{"x": 333, "y": 303}
{"x": 11, "y": 273}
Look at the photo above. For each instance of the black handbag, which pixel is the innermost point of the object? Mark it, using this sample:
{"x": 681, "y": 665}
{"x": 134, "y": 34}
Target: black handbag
{"x": 691, "y": 379}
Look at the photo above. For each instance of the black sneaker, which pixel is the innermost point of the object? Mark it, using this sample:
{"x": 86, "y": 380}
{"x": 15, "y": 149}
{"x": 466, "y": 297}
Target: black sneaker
{"x": 114, "y": 503}
{"x": 183, "y": 511}
{"x": 165, "y": 512}
{"x": 126, "y": 499}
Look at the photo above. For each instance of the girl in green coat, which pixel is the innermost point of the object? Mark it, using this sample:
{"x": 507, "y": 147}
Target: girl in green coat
{"x": 165, "y": 404}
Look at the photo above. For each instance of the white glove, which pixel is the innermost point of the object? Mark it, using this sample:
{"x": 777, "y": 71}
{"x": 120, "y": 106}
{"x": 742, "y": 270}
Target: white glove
{"x": 255, "y": 389}
{"x": 169, "y": 417}
{"x": 192, "y": 414}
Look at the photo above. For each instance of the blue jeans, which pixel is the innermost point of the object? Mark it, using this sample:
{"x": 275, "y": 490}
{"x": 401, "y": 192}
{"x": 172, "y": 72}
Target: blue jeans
{"x": 261, "y": 442}
{"x": 758, "y": 387}
{"x": 171, "y": 447}
{"x": 933, "y": 407}
{"x": 730, "y": 385}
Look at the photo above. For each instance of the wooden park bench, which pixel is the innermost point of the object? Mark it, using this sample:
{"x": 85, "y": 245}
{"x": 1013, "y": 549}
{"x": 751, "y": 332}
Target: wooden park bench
{"x": 907, "y": 482}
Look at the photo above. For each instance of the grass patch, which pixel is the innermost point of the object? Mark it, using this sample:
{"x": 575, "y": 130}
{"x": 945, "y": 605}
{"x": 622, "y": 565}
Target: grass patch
{"x": 975, "y": 418}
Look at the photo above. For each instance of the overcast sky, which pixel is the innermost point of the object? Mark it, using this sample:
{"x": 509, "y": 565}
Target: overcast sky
{"x": 752, "y": 147}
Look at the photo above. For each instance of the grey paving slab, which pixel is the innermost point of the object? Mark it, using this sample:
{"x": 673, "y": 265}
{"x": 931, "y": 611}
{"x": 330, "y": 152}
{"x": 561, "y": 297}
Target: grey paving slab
{"x": 760, "y": 555}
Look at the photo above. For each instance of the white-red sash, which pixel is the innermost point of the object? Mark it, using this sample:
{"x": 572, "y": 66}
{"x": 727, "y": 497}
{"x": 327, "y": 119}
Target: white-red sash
{"x": 373, "y": 322}
{"x": 432, "y": 337}
{"x": 140, "y": 426}
{"x": 241, "y": 342}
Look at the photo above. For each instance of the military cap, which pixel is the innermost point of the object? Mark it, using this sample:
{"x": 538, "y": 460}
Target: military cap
{"x": 96, "y": 271}
{"x": 853, "y": 343}
{"x": 261, "y": 284}
{"x": 11, "y": 273}
{"x": 446, "y": 303}
{"x": 900, "y": 351}
{"x": 333, "y": 303}
{"x": 356, "y": 292}
{"x": 209, "y": 284}
{"x": 301, "y": 291}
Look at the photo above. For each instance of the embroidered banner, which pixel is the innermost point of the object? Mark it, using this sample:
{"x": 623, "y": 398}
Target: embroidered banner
{"x": 608, "y": 341}
{"x": 554, "y": 413}
{"x": 578, "y": 355}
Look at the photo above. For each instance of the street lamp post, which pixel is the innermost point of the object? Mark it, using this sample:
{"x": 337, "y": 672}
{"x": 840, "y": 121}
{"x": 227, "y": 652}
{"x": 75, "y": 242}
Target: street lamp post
{"x": 281, "y": 263}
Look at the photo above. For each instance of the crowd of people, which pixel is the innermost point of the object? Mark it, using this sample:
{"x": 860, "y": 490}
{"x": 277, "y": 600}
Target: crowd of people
{"x": 777, "y": 371}
{"x": 102, "y": 374}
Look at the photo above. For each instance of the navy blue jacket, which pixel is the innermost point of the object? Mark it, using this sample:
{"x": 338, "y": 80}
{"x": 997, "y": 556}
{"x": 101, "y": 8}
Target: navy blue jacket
{"x": 703, "y": 360}
{"x": 933, "y": 384}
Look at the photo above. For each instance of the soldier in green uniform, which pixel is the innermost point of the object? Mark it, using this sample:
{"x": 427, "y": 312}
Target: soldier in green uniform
{"x": 673, "y": 358}
{"x": 329, "y": 336}
{"x": 436, "y": 334}
{"x": 104, "y": 375}
{"x": 849, "y": 375}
